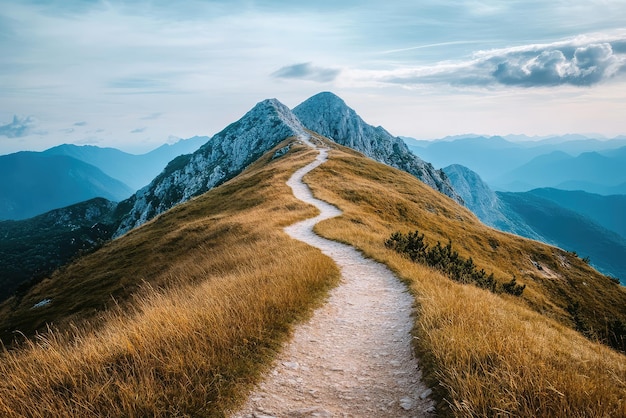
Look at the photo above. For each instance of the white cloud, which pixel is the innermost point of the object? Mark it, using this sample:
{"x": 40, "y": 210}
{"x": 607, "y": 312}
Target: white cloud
{"x": 580, "y": 61}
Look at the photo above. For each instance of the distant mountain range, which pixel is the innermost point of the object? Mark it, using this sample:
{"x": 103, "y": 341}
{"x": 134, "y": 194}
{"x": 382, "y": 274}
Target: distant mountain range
{"x": 221, "y": 158}
{"x": 591, "y": 225}
{"x": 590, "y": 171}
{"x": 135, "y": 171}
{"x": 570, "y": 163}
{"x": 37, "y": 182}
{"x": 33, "y": 183}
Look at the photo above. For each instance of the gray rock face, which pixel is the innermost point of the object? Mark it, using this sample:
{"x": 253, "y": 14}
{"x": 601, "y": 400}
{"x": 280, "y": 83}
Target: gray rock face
{"x": 485, "y": 203}
{"x": 229, "y": 152}
{"x": 328, "y": 115}
{"x": 220, "y": 159}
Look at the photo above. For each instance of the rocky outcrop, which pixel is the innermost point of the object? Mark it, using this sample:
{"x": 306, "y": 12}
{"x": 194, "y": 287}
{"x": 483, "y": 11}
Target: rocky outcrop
{"x": 227, "y": 154}
{"x": 485, "y": 203}
{"x": 328, "y": 115}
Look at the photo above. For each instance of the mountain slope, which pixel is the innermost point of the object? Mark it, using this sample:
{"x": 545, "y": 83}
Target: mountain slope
{"x": 328, "y": 115}
{"x": 592, "y": 171}
{"x": 227, "y": 283}
{"x": 197, "y": 301}
{"x": 485, "y": 354}
{"x": 34, "y": 183}
{"x": 485, "y": 204}
{"x": 571, "y": 231}
{"x": 219, "y": 160}
{"x": 134, "y": 170}
{"x": 33, "y": 248}
{"x": 607, "y": 211}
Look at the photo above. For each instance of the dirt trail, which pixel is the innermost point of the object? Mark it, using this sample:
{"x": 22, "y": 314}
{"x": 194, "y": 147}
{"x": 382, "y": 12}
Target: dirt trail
{"x": 354, "y": 357}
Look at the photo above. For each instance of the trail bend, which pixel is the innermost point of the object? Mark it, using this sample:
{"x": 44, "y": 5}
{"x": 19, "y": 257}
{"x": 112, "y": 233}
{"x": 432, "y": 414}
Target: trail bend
{"x": 354, "y": 357}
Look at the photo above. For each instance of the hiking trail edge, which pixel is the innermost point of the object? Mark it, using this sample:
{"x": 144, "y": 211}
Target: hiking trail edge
{"x": 354, "y": 357}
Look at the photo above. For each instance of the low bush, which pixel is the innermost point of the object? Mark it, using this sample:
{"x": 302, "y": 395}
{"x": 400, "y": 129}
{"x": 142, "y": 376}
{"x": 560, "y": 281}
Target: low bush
{"x": 449, "y": 262}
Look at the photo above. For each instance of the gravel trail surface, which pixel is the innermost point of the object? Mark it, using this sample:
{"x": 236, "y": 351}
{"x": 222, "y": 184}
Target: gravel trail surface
{"x": 353, "y": 358}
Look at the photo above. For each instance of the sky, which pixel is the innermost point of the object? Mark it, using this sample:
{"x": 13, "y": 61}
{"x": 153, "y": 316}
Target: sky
{"x": 137, "y": 74}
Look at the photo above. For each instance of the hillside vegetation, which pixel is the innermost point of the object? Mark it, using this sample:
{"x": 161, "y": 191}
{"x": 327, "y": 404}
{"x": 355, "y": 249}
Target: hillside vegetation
{"x": 197, "y": 300}
{"x": 486, "y": 354}
{"x": 32, "y": 248}
{"x": 186, "y": 311}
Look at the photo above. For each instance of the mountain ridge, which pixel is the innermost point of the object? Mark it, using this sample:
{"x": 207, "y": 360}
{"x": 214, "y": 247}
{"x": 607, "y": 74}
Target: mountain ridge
{"x": 227, "y": 284}
{"x": 221, "y": 158}
{"x": 34, "y": 183}
{"x": 134, "y": 170}
{"x": 328, "y": 115}
{"x": 242, "y": 142}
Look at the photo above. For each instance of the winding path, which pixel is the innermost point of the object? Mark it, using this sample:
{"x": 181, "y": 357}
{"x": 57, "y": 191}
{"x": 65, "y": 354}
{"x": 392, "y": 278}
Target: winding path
{"x": 354, "y": 357}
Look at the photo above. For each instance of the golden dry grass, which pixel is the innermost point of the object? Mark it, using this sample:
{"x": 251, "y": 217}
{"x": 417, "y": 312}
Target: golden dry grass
{"x": 225, "y": 285}
{"x": 486, "y": 355}
{"x": 208, "y": 290}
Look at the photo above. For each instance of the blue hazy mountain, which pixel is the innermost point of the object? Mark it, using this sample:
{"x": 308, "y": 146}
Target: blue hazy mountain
{"x": 495, "y": 157}
{"x": 571, "y": 231}
{"x": 593, "y": 172}
{"x": 608, "y": 211}
{"x": 134, "y": 170}
{"x": 485, "y": 203}
{"x": 34, "y": 183}
{"x": 575, "y": 221}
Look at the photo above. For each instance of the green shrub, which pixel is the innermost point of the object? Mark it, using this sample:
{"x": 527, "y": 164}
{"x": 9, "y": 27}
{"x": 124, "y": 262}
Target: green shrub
{"x": 449, "y": 262}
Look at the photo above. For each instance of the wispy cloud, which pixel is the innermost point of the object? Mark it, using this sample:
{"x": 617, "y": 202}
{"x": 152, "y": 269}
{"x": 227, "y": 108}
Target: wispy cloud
{"x": 138, "y": 130}
{"x": 581, "y": 61}
{"x": 82, "y": 123}
{"x": 136, "y": 83}
{"x": 18, "y": 127}
{"x": 426, "y": 46}
{"x": 152, "y": 116}
{"x": 307, "y": 71}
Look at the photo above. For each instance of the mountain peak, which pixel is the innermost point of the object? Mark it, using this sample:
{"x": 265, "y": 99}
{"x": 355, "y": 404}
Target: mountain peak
{"x": 224, "y": 156}
{"x": 328, "y": 115}
{"x": 281, "y": 112}
{"x": 327, "y": 97}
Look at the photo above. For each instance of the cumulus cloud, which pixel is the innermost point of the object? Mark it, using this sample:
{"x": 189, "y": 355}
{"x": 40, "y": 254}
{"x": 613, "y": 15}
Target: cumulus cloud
{"x": 574, "y": 62}
{"x": 587, "y": 65}
{"x": 307, "y": 71}
{"x": 19, "y": 127}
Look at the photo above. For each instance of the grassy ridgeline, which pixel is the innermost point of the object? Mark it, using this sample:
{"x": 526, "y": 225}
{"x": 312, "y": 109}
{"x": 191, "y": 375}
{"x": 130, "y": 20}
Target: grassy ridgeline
{"x": 225, "y": 285}
{"x": 207, "y": 291}
{"x": 485, "y": 354}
